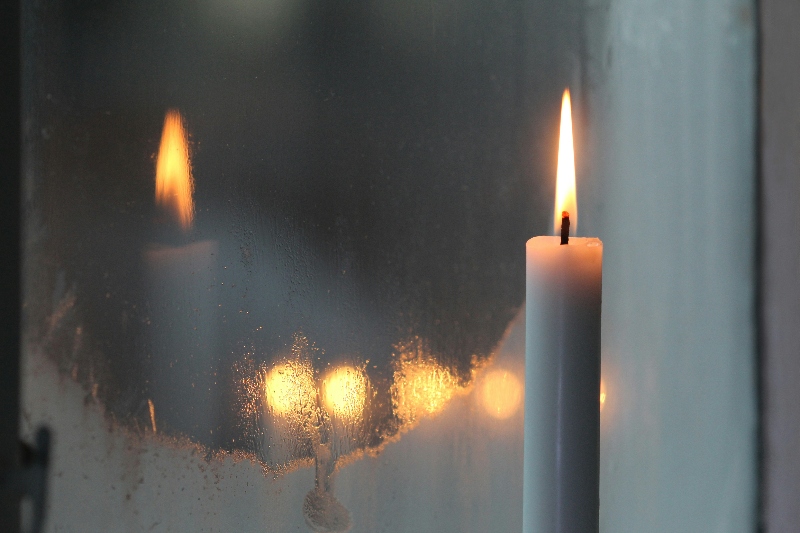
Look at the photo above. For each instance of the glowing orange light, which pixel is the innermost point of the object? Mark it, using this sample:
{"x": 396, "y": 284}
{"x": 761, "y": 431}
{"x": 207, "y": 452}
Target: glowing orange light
{"x": 174, "y": 183}
{"x": 502, "y": 394}
{"x": 421, "y": 387}
{"x": 345, "y": 392}
{"x": 289, "y": 389}
{"x": 602, "y": 394}
{"x": 565, "y": 175}
{"x": 152, "y": 414}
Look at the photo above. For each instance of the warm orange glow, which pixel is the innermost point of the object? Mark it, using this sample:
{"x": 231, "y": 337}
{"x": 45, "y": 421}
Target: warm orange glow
{"x": 502, "y": 394}
{"x": 602, "y": 394}
{"x": 174, "y": 183}
{"x": 152, "y": 414}
{"x": 289, "y": 389}
{"x": 345, "y": 392}
{"x": 565, "y": 176}
{"x": 421, "y": 387}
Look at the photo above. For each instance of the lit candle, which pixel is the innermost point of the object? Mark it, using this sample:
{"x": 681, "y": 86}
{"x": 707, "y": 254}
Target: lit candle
{"x": 344, "y": 396}
{"x": 180, "y": 273}
{"x": 562, "y": 366}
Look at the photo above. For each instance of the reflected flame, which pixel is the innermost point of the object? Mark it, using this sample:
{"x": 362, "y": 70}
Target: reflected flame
{"x": 174, "y": 183}
{"x": 421, "y": 387}
{"x": 602, "y": 394}
{"x": 152, "y": 414}
{"x": 345, "y": 392}
{"x": 289, "y": 389}
{"x": 565, "y": 175}
{"x": 502, "y": 394}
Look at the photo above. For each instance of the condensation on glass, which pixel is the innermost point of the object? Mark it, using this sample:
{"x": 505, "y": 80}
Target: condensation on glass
{"x": 274, "y": 255}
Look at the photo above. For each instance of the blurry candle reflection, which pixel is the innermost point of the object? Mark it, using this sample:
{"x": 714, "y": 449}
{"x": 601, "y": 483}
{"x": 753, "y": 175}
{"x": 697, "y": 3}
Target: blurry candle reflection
{"x": 344, "y": 397}
{"x": 183, "y": 318}
{"x": 345, "y": 392}
{"x": 501, "y": 394}
{"x": 602, "y": 394}
{"x": 289, "y": 389}
{"x": 174, "y": 182}
{"x": 421, "y": 387}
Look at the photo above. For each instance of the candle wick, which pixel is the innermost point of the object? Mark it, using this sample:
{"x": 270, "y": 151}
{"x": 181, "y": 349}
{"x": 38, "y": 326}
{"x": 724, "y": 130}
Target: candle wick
{"x": 564, "y": 227}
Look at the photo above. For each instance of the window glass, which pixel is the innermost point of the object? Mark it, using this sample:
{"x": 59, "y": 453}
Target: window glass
{"x": 281, "y": 243}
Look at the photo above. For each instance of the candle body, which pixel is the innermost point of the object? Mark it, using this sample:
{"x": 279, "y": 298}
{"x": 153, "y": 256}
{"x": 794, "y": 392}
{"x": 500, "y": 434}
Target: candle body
{"x": 184, "y": 321}
{"x": 562, "y": 385}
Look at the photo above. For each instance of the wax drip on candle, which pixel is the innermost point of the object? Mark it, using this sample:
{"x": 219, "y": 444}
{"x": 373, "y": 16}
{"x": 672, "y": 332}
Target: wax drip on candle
{"x": 564, "y": 227}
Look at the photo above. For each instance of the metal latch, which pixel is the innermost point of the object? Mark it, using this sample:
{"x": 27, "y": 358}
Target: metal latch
{"x": 30, "y": 478}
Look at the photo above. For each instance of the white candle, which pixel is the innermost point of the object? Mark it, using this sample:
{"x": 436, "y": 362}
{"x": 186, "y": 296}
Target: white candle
{"x": 183, "y": 335}
{"x": 184, "y": 317}
{"x": 562, "y": 370}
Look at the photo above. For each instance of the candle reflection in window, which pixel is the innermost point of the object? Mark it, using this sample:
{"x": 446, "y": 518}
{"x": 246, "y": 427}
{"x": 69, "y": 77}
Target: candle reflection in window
{"x": 289, "y": 389}
{"x": 345, "y": 392}
{"x": 422, "y": 386}
{"x": 602, "y": 394}
{"x": 174, "y": 181}
{"x": 501, "y": 394}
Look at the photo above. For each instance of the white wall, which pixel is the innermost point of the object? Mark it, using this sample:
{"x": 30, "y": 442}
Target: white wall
{"x": 672, "y": 116}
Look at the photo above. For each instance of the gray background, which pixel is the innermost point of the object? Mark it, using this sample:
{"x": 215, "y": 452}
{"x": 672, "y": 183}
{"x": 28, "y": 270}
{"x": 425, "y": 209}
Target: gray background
{"x": 780, "y": 314}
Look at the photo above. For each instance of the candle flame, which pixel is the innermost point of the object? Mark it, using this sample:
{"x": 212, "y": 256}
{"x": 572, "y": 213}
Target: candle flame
{"x": 565, "y": 175}
{"x": 174, "y": 183}
{"x": 345, "y": 392}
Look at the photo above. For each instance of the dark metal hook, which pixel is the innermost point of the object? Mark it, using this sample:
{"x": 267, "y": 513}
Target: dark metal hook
{"x": 30, "y": 478}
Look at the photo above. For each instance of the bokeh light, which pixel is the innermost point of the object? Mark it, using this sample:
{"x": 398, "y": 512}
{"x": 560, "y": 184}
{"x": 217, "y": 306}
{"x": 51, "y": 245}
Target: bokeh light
{"x": 421, "y": 387}
{"x": 501, "y": 393}
{"x": 345, "y": 392}
{"x": 289, "y": 389}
